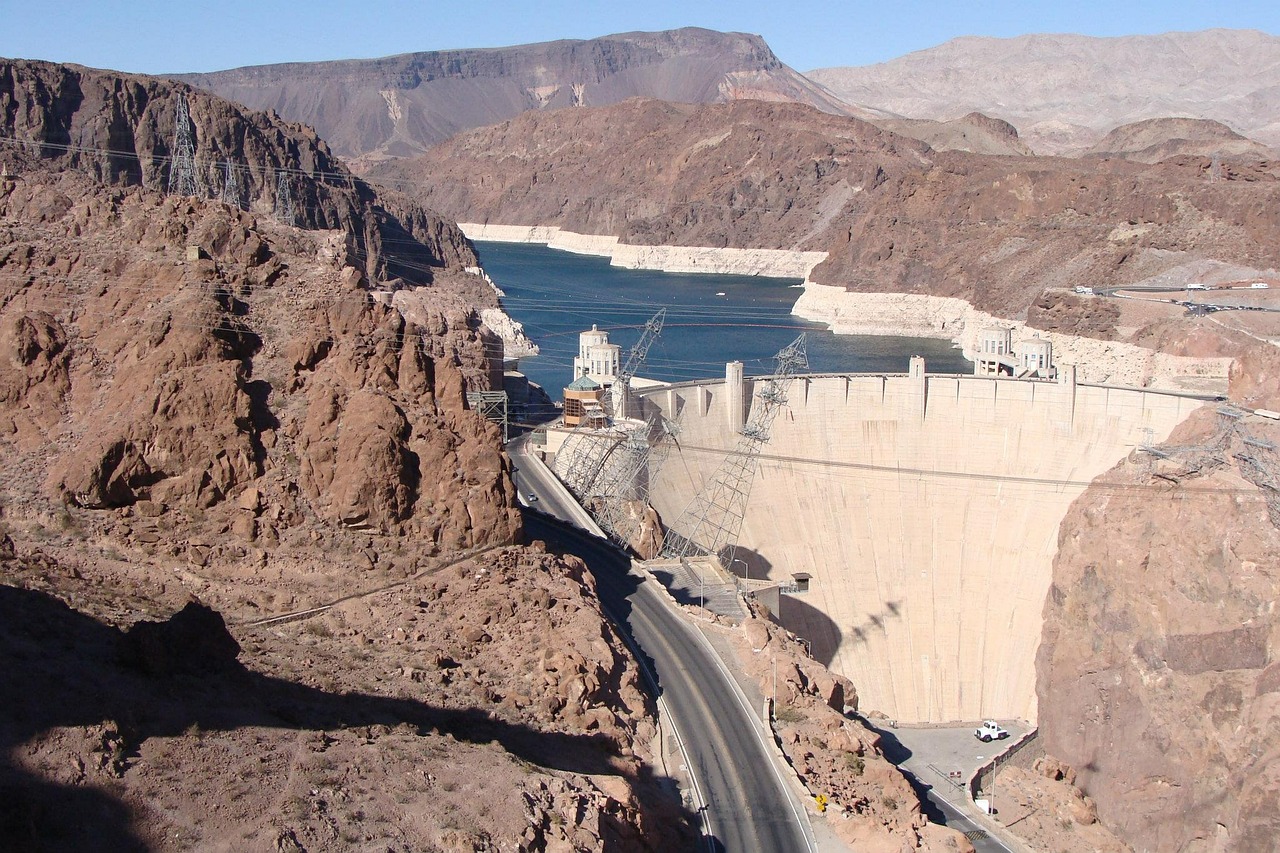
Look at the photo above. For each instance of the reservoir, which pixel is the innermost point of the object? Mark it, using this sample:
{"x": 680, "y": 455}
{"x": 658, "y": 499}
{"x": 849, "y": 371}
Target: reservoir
{"x": 710, "y": 319}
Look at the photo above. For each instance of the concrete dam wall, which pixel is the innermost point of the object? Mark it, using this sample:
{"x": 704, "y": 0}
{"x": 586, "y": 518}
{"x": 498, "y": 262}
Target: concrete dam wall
{"x": 926, "y": 509}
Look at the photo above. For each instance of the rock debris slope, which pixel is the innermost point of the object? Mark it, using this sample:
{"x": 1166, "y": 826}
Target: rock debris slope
{"x": 199, "y": 401}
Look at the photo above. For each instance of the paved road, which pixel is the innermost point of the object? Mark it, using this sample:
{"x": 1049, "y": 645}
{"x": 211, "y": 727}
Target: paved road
{"x": 538, "y": 487}
{"x": 925, "y": 754}
{"x": 748, "y": 808}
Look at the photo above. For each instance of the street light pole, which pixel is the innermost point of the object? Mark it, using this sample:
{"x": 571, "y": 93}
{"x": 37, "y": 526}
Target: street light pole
{"x": 746, "y": 567}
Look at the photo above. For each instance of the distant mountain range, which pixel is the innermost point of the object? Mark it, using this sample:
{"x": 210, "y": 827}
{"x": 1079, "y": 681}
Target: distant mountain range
{"x": 402, "y": 105}
{"x": 1065, "y": 92}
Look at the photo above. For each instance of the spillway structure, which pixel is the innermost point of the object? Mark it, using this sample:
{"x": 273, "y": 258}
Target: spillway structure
{"x": 923, "y": 512}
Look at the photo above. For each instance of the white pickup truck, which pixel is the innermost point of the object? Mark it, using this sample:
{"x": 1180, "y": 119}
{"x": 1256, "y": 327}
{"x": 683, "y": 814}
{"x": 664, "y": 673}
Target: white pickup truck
{"x": 990, "y": 730}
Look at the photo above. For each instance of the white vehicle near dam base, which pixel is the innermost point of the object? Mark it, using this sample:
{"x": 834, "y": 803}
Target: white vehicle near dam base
{"x": 990, "y": 730}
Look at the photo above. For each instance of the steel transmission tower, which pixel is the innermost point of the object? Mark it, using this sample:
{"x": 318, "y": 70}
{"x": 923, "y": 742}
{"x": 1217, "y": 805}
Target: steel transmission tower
{"x": 284, "y": 199}
{"x": 230, "y": 185}
{"x": 711, "y": 522}
{"x": 589, "y": 450}
{"x": 623, "y": 491}
{"x": 182, "y": 168}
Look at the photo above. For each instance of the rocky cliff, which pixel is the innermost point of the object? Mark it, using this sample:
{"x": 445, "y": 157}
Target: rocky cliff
{"x": 401, "y": 105}
{"x": 892, "y": 214}
{"x": 1063, "y": 92}
{"x": 198, "y": 400}
{"x": 121, "y": 130}
{"x": 1158, "y": 675}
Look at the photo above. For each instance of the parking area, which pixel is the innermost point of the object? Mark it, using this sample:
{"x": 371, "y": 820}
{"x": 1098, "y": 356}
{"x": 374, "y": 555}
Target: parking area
{"x": 945, "y": 757}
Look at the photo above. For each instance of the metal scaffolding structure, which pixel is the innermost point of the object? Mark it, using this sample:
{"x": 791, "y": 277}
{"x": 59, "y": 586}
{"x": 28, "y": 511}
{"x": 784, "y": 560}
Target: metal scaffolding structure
{"x": 622, "y": 491}
{"x": 492, "y": 406}
{"x": 182, "y": 168}
{"x": 713, "y": 519}
{"x": 588, "y": 450}
{"x": 230, "y": 185}
{"x": 1256, "y": 458}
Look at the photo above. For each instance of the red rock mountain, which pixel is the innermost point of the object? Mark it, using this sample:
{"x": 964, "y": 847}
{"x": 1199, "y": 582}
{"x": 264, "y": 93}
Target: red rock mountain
{"x": 894, "y": 214}
{"x": 402, "y": 105}
{"x": 202, "y": 401}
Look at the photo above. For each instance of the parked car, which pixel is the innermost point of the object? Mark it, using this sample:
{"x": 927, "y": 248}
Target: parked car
{"x": 990, "y": 730}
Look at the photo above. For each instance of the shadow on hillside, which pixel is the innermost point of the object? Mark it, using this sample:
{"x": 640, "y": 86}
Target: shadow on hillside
{"x": 61, "y": 668}
{"x": 897, "y": 753}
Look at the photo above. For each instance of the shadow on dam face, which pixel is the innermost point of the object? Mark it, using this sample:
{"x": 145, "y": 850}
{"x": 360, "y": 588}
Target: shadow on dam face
{"x": 804, "y": 620}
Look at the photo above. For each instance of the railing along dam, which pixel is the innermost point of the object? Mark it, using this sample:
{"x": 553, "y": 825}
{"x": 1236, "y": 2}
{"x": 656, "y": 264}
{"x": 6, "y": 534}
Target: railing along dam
{"x": 926, "y": 509}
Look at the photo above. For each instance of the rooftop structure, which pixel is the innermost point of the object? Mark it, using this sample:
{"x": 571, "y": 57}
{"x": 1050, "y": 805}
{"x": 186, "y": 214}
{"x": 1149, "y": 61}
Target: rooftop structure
{"x": 1031, "y": 358}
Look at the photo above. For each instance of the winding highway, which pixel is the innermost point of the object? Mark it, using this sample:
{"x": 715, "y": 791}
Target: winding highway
{"x": 745, "y": 805}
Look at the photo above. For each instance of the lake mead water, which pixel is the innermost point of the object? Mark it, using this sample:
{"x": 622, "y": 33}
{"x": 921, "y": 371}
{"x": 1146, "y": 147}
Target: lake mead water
{"x": 710, "y": 319}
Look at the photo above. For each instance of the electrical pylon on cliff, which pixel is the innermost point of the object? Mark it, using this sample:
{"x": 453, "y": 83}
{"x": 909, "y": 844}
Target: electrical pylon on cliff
{"x": 284, "y": 199}
{"x": 182, "y": 168}
{"x": 711, "y": 522}
{"x": 588, "y": 450}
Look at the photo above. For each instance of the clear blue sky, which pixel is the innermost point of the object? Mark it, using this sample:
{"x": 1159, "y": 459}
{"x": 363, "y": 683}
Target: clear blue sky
{"x": 153, "y": 37}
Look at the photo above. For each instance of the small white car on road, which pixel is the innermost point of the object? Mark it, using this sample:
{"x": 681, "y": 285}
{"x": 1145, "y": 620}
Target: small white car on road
{"x": 990, "y": 730}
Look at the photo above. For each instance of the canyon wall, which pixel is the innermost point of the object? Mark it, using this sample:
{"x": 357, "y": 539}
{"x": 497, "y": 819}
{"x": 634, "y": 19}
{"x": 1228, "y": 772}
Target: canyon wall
{"x": 775, "y": 263}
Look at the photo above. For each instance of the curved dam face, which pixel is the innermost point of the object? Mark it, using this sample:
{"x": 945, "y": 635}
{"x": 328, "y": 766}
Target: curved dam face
{"x": 925, "y": 508}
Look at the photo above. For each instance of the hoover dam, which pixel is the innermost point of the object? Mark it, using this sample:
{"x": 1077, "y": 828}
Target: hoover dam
{"x": 924, "y": 508}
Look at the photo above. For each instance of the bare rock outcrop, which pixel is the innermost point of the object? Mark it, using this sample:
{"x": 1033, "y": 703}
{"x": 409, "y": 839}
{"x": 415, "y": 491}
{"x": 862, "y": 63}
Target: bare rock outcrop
{"x": 202, "y": 401}
{"x": 1158, "y": 139}
{"x": 194, "y": 641}
{"x": 1153, "y": 672}
{"x": 832, "y": 752}
{"x": 119, "y": 128}
{"x": 975, "y": 133}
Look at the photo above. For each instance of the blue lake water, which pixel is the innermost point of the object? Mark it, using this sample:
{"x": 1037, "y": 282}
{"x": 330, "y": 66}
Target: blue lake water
{"x": 711, "y": 319}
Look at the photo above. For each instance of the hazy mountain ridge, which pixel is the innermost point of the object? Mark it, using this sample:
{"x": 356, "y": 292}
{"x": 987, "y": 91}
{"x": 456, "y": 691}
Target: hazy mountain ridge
{"x": 401, "y": 105}
{"x": 1064, "y": 92}
{"x": 1157, "y": 139}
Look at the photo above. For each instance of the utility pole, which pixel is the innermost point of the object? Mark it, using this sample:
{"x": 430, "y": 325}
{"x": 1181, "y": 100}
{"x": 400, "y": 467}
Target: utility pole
{"x": 182, "y": 166}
